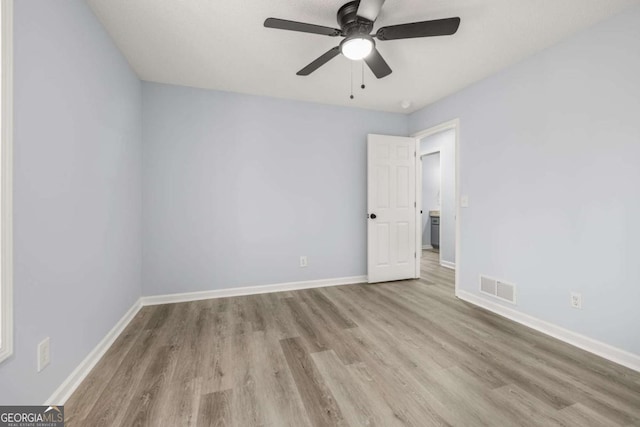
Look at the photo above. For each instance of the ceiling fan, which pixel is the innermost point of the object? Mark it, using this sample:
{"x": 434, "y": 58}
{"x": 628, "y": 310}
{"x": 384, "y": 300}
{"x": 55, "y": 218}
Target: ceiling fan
{"x": 356, "y": 20}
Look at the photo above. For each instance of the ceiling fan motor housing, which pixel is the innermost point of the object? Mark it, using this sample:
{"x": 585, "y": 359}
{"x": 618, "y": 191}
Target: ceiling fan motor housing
{"x": 351, "y": 23}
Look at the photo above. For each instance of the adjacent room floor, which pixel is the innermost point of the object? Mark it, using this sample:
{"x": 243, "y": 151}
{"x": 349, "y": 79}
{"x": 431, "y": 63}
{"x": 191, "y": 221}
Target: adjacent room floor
{"x": 401, "y": 353}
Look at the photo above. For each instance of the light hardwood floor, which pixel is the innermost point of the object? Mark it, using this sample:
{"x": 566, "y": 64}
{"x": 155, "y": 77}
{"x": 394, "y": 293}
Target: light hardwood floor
{"x": 401, "y": 353}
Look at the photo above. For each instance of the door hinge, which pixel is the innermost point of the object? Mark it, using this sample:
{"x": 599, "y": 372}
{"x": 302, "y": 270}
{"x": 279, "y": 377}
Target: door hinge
{"x": 415, "y": 204}
{"x": 415, "y": 254}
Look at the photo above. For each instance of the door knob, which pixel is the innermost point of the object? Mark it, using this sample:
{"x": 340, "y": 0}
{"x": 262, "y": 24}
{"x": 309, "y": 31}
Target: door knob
{"x": 372, "y": 216}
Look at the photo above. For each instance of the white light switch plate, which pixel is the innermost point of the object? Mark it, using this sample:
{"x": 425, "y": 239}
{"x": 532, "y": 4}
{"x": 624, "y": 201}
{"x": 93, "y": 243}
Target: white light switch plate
{"x": 44, "y": 354}
{"x": 464, "y": 201}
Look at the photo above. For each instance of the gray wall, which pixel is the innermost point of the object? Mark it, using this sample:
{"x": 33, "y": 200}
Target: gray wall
{"x": 76, "y": 192}
{"x": 549, "y": 156}
{"x": 430, "y": 193}
{"x": 237, "y": 187}
{"x": 445, "y": 142}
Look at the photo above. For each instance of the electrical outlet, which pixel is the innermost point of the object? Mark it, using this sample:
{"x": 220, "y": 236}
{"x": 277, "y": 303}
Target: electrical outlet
{"x": 576, "y": 300}
{"x": 304, "y": 262}
{"x": 44, "y": 354}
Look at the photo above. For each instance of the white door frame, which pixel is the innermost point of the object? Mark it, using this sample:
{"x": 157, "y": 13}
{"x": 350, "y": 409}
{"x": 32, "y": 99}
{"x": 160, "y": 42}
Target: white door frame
{"x": 455, "y": 125}
{"x": 419, "y": 195}
{"x": 6, "y": 182}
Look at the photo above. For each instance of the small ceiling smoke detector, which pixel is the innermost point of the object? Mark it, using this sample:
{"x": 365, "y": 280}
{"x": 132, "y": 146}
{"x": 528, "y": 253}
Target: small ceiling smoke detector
{"x": 405, "y": 104}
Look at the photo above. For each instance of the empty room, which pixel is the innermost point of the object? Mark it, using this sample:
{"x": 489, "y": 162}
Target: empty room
{"x": 320, "y": 213}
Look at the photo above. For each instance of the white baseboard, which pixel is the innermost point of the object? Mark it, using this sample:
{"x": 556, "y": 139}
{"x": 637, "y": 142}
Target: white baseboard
{"x": 427, "y": 247}
{"x": 448, "y": 264}
{"x": 64, "y": 391}
{"x": 599, "y": 348}
{"x": 250, "y": 290}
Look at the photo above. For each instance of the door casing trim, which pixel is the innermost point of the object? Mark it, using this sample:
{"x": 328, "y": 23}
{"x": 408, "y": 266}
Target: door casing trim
{"x": 455, "y": 125}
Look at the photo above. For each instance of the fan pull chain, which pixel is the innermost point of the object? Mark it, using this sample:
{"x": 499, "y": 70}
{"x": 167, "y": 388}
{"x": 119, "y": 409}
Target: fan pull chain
{"x": 351, "y": 96}
{"x": 362, "y": 85}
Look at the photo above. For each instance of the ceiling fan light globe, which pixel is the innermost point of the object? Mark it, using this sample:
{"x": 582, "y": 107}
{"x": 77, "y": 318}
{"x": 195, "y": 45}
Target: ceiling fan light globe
{"x": 356, "y": 48}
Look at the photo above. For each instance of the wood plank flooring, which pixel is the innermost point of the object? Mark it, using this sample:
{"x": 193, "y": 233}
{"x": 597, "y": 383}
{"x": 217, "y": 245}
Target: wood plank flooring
{"x": 393, "y": 354}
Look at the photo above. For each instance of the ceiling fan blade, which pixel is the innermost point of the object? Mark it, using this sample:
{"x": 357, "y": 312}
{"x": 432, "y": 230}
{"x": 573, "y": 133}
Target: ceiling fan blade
{"x": 378, "y": 65}
{"x": 369, "y": 9}
{"x": 319, "y": 62}
{"x": 439, "y": 27}
{"x": 283, "y": 24}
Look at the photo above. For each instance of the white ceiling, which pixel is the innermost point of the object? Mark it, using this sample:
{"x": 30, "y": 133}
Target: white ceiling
{"x": 223, "y": 45}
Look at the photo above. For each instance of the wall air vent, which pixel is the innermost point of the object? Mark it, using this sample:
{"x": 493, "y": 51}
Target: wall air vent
{"x": 488, "y": 286}
{"x": 498, "y": 289}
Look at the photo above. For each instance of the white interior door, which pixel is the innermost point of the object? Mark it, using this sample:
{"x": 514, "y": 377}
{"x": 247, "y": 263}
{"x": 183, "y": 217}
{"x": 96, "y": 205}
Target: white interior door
{"x": 391, "y": 207}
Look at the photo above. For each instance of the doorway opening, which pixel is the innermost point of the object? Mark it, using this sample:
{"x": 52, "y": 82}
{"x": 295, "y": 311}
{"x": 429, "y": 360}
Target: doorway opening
{"x": 437, "y": 194}
{"x": 431, "y": 200}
